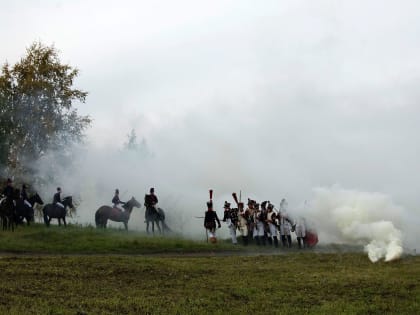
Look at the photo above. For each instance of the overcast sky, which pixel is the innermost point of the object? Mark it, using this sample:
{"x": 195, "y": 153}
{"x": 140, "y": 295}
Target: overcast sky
{"x": 272, "y": 97}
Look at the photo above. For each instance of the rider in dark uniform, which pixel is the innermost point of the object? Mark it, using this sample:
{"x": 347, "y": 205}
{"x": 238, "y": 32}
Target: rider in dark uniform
{"x": 57, "y": 198}
{"x": 8, "y": 190}
{"x": 24, "y": 195}
{"x": 116, "y": 200}
{"x": 150, "y": 202}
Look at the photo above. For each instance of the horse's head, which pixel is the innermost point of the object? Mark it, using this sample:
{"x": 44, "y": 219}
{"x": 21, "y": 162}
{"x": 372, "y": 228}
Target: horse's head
{"x": 132, "y": 203}
{"x": 38, "y": 199}
{"x": 68, "y": 201}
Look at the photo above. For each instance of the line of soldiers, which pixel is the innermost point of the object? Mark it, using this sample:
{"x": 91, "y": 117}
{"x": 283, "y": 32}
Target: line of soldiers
{"x": 261, "y": 222}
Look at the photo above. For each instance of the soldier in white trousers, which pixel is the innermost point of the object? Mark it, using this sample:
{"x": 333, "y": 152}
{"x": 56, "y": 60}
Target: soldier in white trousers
{"x": 272, "y": 226}
{"x": 285, "y": 228}
{"x": 229, "y": 218}
{"x": 243, "y": 218}
{"x": 300, "y": 230}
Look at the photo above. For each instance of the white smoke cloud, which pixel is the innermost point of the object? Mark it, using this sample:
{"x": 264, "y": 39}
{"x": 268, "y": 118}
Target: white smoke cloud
{"x": 360, "y": 218}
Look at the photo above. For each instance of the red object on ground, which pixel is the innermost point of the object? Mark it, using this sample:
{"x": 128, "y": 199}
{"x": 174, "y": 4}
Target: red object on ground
{"x": 311, "y": 238}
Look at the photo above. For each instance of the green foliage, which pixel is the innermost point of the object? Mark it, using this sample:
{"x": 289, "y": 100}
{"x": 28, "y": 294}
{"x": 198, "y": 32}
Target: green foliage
{"x": 36, "y": 107}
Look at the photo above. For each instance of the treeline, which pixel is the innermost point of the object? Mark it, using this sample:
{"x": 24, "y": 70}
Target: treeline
{"x": 37, "y": 112}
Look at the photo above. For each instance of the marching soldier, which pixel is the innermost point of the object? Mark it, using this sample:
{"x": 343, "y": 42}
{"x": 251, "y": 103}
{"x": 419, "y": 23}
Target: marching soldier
{"x": 231, "y": 220}
{"x": 285, "y": 228}
{"x": 271, "y": 221}
{"x": 267, "y": 236}
{"x": 300, "y": 230}
{"x": 251, "y": 223}
{"x": 210, "y": 219}
{"x": 259, "y": 226}
{"x": 243, "y": 222}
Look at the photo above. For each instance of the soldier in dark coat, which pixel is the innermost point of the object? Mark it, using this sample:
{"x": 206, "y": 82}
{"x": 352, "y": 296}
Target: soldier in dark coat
{"x": 231, "y": 219}
{"x": 210, "y": 219}
{"x": 24, "y": 195}
{"x": 57, "y": 198}
{"x": 116, "y": 200}
{"x": 8, "y": 190}
{"x": 150, "y": 202}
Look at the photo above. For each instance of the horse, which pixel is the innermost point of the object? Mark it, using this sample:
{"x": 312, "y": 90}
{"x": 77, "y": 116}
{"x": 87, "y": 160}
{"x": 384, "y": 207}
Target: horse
{"x": 105, "y": 213}
{"x": 7, "y": 210}
{"x": 52, "y": 211}
{"x": 24, "y": 211}
{"x": 156, "y": 215}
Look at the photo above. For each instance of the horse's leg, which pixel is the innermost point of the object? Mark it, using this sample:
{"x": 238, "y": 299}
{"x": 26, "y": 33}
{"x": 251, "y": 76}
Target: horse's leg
{"x": 153, "y": 227}
{"x": 59, "y": 221}
{"x": 147, "y": 226}
{"x": 64, "y": 220}
{"x": 158, "y": 225}
{"x": 125, "y": 225}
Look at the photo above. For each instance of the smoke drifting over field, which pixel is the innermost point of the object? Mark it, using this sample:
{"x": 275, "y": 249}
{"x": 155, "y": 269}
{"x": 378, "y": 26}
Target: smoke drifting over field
{"x": 273, "y": 98}
{"x": 353, "y": 217}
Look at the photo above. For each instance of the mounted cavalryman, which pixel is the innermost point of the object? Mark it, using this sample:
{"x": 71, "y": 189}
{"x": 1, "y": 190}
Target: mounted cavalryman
{"x": 57, "y": 198}
{"x": 24, "y": 196}
{"x": 116, "y": 200}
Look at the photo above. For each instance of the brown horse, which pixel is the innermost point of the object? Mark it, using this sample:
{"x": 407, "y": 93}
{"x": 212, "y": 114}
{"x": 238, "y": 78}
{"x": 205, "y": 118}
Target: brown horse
{"x": 105, "y": 213}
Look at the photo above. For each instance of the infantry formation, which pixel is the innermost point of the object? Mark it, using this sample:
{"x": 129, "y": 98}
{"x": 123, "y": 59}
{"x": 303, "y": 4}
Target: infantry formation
{"x": 261, "y": 223}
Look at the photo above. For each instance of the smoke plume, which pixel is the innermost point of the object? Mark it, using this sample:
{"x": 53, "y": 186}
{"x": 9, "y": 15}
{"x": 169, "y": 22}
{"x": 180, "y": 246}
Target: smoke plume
{"x": 362, "y": 218}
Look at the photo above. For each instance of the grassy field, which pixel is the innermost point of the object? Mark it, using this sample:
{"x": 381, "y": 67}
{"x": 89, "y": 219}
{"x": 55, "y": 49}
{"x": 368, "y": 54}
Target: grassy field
{"x": 89, "y": 240}
{"x": 204, "y": 282}
{"x": 288, "y": 284}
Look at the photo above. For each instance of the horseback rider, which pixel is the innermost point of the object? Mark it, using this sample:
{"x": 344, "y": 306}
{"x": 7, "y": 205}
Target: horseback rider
{"x": 24, "y": 196}
{"x": 150, "y": 202}
{"x": 210, "y": 219}
{"x": 57, "y": 198}
{"x": 8, "y": 190}
{"x": 116, "y": 200}
{"x": 151, "y": 199}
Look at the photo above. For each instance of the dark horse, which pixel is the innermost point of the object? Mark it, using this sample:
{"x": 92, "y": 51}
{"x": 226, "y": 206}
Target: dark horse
{"x": 105, "y": 213}
{"x": 156, "y": 215}
{"x": 24, "y": 211}
{"x": 52, "y": 211}
{"x": 7, "y": 211}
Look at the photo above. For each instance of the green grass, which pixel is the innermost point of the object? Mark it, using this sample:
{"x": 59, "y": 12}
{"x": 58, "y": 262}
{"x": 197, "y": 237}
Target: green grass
{"x": 305, "y": 283}
{"x": 90, "y": 271}
{"x": 88, "y": 240}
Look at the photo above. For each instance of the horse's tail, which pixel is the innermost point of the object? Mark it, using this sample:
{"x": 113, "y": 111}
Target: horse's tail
{"x": 166, "y": 227}
{"x": 97, "y": 218}
{"x": 44, "y": 212}
{"x": 161, "y": 217}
